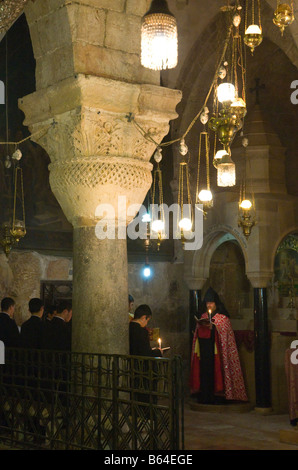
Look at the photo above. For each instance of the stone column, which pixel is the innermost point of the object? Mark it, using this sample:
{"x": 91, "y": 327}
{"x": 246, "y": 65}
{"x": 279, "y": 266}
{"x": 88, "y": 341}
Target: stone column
{"x": 262, "y": 342}
{"x": 195, "y": 291}
{"x": 99, "y": 157}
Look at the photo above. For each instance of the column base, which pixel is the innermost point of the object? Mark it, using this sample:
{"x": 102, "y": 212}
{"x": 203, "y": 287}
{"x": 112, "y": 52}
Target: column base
{"x": 263, "y": 411}
{"x": 289, "y": 436}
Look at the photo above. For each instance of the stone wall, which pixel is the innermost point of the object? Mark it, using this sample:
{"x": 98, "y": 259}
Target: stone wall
{"x": 21, "y": 273}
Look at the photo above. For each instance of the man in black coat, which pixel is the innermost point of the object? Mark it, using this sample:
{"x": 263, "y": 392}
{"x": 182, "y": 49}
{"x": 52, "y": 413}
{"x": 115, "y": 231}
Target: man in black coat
{"x": 9, "y": 332}
{"x": 57, "y": 334}
{"x": 139, "y": 345}
{"x": 32, "y": 329}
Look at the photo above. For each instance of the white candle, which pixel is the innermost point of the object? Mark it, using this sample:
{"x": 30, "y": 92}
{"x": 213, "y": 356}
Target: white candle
{"x": 209, "y": 312}
{"x": 159, "y": 343}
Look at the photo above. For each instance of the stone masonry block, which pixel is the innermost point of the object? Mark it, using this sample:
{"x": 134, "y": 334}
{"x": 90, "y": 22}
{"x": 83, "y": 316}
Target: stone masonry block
{"x": 115, "y": 5}
{"x": 100, "y": 61}
{"x": 123, "y": 32}
{"x": 137, "y": 7}
{"x": 87, "y": 24}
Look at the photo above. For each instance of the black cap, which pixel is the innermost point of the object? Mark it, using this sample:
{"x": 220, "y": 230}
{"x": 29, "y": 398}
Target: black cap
{"x": 211, "y": 296}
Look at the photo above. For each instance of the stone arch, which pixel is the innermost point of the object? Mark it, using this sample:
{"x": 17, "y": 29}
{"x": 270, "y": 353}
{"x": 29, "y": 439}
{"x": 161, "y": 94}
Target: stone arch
{"x": 287, "y": 231}
{"x": 212, "y": 240}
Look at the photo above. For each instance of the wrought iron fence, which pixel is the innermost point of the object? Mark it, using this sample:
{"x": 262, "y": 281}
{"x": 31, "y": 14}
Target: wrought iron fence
{"x": 58, "y": 400}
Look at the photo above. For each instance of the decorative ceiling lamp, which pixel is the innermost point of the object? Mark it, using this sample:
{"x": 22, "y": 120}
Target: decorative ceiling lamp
{"x": 253, "y": 33}
{"x": 246, "y": 212}
{"x": 246, "y": 209}
{"x": 159, "y": 37}
{"x": 230, "y": 95}
{"x": 283, "y": 15}
{"x": 204, "y": 195}
{"x": 157, "y": 226}
{"x": 184, "y": 215}
{"x": 14, "y": 229}
{"x": 226, "y": 169}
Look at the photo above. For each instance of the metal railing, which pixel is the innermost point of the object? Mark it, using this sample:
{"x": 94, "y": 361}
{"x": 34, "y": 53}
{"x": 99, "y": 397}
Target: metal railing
{"x": 58, "y": 400}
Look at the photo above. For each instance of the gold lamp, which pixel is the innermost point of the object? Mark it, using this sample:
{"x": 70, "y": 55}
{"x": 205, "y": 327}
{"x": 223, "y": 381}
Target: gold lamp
{"x": 184, "y": 218}
{"x": 283, "y": 15}
{"x": 157, "y": 225}
{"x": 159, "y": 37}
{"x": 253, "y": 32}
{"x": 229, "y": 95}
{"x": 14, "y": 229}
{"x": 203, "y": 193}
{"x": 246, "y": 211}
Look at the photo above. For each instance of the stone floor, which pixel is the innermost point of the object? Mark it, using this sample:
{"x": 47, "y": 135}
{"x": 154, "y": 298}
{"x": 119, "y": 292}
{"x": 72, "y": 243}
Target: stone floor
{"x": 234, "y": 430}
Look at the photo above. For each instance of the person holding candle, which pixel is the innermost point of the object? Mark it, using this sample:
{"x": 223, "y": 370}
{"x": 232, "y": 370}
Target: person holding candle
{"x": 216, "y": 374}
{"x": 139, "y": 343}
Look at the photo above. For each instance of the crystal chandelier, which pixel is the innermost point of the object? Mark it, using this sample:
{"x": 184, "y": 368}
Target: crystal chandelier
{"x": 159, "y": 37}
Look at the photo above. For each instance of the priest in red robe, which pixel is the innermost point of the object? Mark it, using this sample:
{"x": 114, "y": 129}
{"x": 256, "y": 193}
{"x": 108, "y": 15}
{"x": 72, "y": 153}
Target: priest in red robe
{"x": 216, "y": 374}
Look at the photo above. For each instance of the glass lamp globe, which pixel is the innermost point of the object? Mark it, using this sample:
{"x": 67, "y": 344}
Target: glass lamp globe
{"x": 157, "y": 225}
{"x": 146, "y": 217}
{"x": 226, "y": 172}
{"x": 225, "y": 92}
{"x": 253, "y": 36}
{"x": 218, "y": 157}
{"x": 245, "y": 204}
{"x": 205, "y": 195}
{"x": 185, "y": 224}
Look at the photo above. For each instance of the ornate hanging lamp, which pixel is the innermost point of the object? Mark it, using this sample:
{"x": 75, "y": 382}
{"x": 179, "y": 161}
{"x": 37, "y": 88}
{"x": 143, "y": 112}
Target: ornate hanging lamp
{"x": 157, "y": 226}
{"x": 14, "y": 229}
{"x": 253, "y": 31}
{"x": 203, "y": 192}
{"x": 159, "y": 37}
{"x": 246, "y": 212}
{"x": 184, "y": 215}
{"x": 283, "y": 15}
{"x": 247, "y": 207}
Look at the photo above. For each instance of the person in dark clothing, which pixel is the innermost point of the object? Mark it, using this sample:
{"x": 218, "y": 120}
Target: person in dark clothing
{"x": 57, "y": 334}
{"x": 32, "y": 329}
{"x": 57, "y": 340}
{"x": 139, "y": 345}
{"x": 9, "y": 332}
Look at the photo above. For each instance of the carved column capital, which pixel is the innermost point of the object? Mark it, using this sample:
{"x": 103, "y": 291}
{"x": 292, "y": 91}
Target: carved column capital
{"x": 97, "y": 152}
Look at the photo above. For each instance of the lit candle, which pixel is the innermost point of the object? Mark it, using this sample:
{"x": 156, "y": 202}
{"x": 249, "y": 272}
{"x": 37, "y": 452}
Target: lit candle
{"x": 209, "y": 312}
{"x": 159, "y": 343}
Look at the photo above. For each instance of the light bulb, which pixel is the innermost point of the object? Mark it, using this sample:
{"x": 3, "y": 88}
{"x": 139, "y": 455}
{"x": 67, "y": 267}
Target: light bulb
{"x": 225, "y": 92}
{"x": 185, "y": 224}
{"x": 157, "y": 225}
{"x": 205, "y": 195}
{"x": 245, "y": 204}
{"x": 146, "y": 217}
